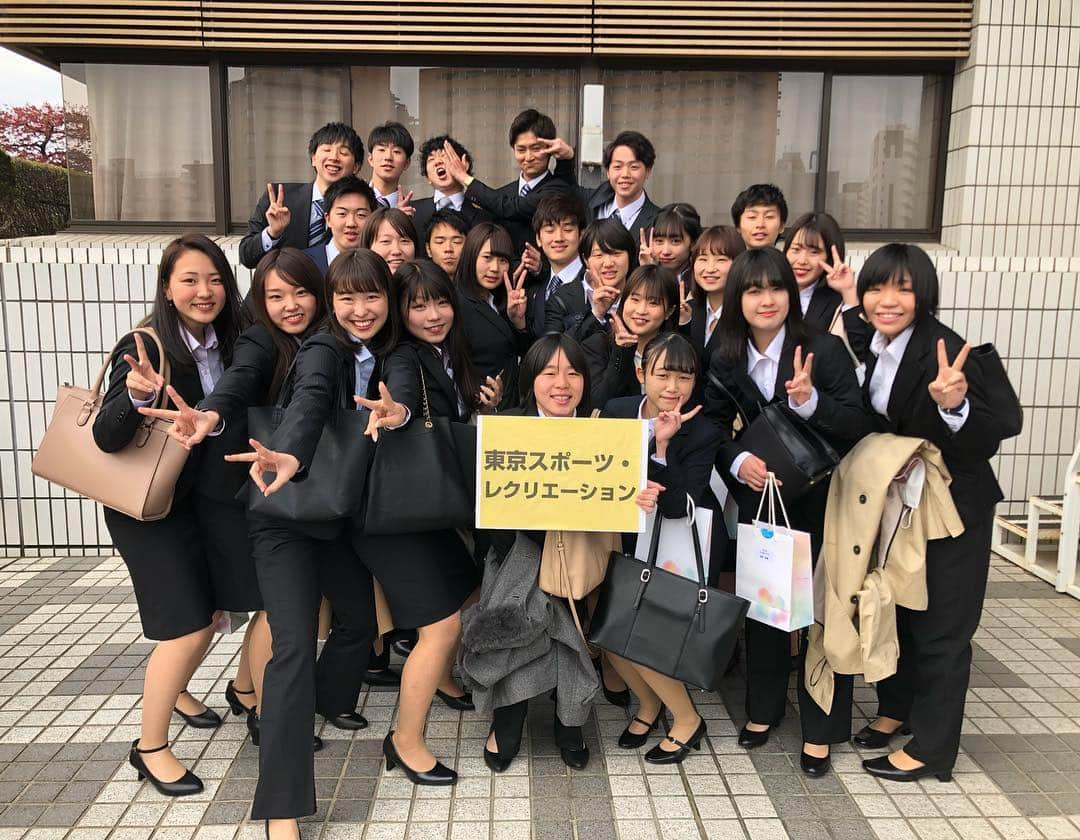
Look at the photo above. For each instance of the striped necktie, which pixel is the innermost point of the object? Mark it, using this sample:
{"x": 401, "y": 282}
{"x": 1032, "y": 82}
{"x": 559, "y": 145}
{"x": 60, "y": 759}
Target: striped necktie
{"x": 553, "y": 285}
{"x": 525, "y": 190}
{"x": 317, "y": 229}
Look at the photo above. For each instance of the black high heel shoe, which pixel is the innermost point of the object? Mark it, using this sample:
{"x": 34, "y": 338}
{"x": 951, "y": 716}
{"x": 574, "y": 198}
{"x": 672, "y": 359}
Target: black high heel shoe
{"x": 440, "y": 774}
{"x": 749, "y": 739}
{"x": 460, "y": 703}
{"x": 233, "y": 699}
{"x": 874, "y": 739}
{"x": 885, "y": 769}
{"x": 186, "y": 785}
{"x": 632, "y": 740}
{"x": 615, "y": 698}
{"x": 497, "y": 762}
{"x": 813, "y": 766}
{"x": 253, "y": 731}
{"x": 206, "y": 719}
{"x": 658, "y": 755}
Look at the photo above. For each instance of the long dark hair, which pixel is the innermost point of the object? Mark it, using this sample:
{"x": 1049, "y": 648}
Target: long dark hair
{"x": 297, "y": 269}
{"x": 760, "y": 268}
{"x": 357, "y": 272}
{"x": 818, "y": 227}
{"x": 501, "y": 246}
{"x": 422, "y": 280}
{"x": 655, "y": 282}
{"x": 164, "y": 319}
{"x": 536, "y": 360}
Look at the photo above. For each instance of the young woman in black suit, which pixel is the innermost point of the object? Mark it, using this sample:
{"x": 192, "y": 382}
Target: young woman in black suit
{"x": 920, "y": 383}
{"x": 671, "y": 239}
{"x": 334, "y": 369}
{"x": 649, "y": 306}
{"x": 288, "y": 301}
{"x": 710, "y": 259}
{"x": 390, "y": 233}
{"x": 195, "y": 561}
{"x": 681, "y": 455}
{"x": 769, "y": 353}
{"x": 492, "y": 307}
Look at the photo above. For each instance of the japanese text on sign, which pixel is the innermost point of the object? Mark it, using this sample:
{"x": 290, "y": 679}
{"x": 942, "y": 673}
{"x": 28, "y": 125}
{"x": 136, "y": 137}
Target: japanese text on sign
{"x": 560, "y": 474}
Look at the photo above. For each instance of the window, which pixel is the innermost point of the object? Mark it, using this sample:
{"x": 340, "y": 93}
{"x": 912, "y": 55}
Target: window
{"x": 272, "y": 113}
{"x": 143, "y": 142}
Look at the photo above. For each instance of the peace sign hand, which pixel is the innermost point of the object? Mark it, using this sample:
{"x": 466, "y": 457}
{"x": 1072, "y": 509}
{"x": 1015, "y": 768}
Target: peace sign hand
{"x": 645, "y": 254}
{"x": 840, "y": 277}
{"x": 516, "y": 302}
{"x": 949, "y": 390}
{"x": 623, "y": 336}
{"x": 277, "y": 214}
{"x": 668, "y": 424}
{"x": 686, "y": 313}
{"x": 403, "y": 202}
{"x": 263, "y": 460}
{"x": 142, "y": 380}
{"x": 190, "y": 426}
{"x": 801, "y": 387}
{"x": 558, "y": 148}
{"x": 385, "y": 413}
{"x": 603, "y": 297}
{"x": 530, "y": 258}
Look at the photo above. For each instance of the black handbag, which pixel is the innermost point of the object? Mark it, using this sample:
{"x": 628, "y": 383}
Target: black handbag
{"x": 798, "y": 456}
{"x": 678, "y": 627}
{"x": 333, "y": 485}
{"x": 417, "y": 480}
{"x": 1000, "y": 394}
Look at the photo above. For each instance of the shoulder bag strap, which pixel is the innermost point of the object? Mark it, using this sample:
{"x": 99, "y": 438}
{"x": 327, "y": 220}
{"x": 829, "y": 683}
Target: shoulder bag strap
{"x": 738, "y": 406}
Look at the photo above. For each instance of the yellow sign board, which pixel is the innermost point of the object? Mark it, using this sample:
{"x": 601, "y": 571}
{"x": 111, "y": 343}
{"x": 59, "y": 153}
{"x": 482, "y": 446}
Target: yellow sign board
{"x": 570, "y": 474}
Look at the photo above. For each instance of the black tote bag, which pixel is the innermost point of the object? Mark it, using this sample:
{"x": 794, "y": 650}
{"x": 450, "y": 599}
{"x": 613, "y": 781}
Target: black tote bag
{"x": 798, "y": 456}
{"x": 417, "y": 481}
{"x": 333, "y": 487}
{"x": 678, "y": 627}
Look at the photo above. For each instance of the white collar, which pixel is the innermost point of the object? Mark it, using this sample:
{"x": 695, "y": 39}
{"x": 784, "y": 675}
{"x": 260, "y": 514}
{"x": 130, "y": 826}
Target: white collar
{"x": 361, "y": 352}
{"x": 709, "y": 311}
{"x": 209, "y": 342}
{"x": 632, "y": 208}
{"x": 772, "y": 352}
{"x": 805, "y": 295}
{"x": 532, "y": 184}
{"x": 880, "y": 344}
{"x": 457, "y": 200}
{"x": 331, "y": 251}
{"x": 390, "y": 197}
{"x": 316, "y": 193}
{"x": 540, "y": 413}
{"x": 569, "y": 272}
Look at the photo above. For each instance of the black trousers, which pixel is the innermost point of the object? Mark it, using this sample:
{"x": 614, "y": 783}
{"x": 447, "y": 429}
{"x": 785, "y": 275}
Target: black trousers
{"x": 768, "y": 668}
{"x": 509, "y": 722}
{"x": 931, "y": 681}
{"x": 294, "y": 569}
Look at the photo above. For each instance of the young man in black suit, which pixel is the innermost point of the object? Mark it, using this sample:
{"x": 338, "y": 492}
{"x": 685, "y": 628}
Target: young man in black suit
{"x": 390, "y": 149}
{"x": 444, "y": 239}
{"x": 449, "y": 194}
{"x": 628, "y": 161}
{"x": 760, "y": 213}
{"x": 534, "y": 141}
{"x": 557, "y": 223}
{"x": 349, "y": 201}
{"x": 294, "y": 214}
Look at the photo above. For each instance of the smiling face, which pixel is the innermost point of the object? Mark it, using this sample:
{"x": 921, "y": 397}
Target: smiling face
{"x": 529, "y": 155}
{"x": 332, "y": 161}
{"x": 290, "y": 308}
{"x": 490, "y": 268}
{"x": 394, "y": 247}
{"x": 558, "y": 388}
{"x": 665, "y": 390}
{"x": 644, "y": 314}
{"x": 760, "y": 225}
{"x": 196, "y": 289}
{"x": 671, "y": 251}
{"x": 627, "y": 174}
{"x": 608, "y": 269}
{"x": 765, "y": 310}
{"x": 387, "y": 161}
{"x": 361, "y": 314}
{"x": 445, "y": 246}
{"x": 429, "y": 319}
{"x": 711, "y": 270}
{"x": 346, "y": 218}
{"x": 890, "y": 307}
{"x": 804, "y": 255}
{"x": 559, "y": 241}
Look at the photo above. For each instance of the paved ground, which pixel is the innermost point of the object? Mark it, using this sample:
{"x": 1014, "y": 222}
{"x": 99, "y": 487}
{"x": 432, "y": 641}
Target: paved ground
{"x": 71, "y": 658}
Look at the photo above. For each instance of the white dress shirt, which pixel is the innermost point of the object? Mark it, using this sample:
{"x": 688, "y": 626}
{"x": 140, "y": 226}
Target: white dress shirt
{"x": 762, "y": 369}
{"x": 889, "y": 355}
{"x": 390, "y": 199}
{"x": 565, "y": 275}
{"x": 532, "y": 184}
{"x": 652, "y": 431}
{"x": 712, "y": 318}
{"x": 457, "y": 200}
{"x": 331, "y": 251}
{"x": 627, "y": 215}
{"x": 316, "y": 195}
{"x": 805, "y": 295}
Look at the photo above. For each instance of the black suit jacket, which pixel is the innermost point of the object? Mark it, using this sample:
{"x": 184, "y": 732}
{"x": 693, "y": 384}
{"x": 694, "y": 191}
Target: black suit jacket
{"x": 318, "y": 256}
{"x": 536, "y": 312}
{"x": 442, "y": 392}
{"x": 298, "y": 200}
{"x": 695, "y": 331}
{"x": 494, "y": 345}
{"x": 912, "y": 412}
{"x": 568, "y": 311}
{"x": 425, "y": 209}
{"x": 515, "y": 212}
{"x": 598, "y": 198}
{"x": 611, "y": 369}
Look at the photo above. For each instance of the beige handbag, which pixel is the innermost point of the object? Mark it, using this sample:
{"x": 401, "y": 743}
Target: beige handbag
{"x": 574, "y": 563}
{"x": 139, "y": 479}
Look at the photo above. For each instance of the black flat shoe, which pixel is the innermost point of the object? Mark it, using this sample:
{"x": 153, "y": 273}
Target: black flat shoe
{"x": 813, "y": 766}
{"x": 750, "y": 739}
{"x": 874, "y": 739}
{"x": 499, "y": 761}
{"x": 440, "y": 774}
{"x": 206, "y": 719}
{"x": 885, "y": 769}
{"x": 186, "y": 785}
{"x": 382, "y": 676}
{"x": 462, "y": 703}
{"x": 658, "y": 755}
{"x": 253, "y": 731}
{"x": 232, "y": 697}
{"x": 632, "y": 740}
{"x": 615, "y": 698}
{"x": 575, "y": 759}
{"x": 347, "y": 720}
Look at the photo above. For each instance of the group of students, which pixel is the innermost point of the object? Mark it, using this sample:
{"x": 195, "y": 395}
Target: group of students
{"x": 544, "y": 299}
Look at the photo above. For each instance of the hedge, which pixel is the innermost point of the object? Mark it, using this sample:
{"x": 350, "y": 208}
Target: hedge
{"x": 33, "y": 198}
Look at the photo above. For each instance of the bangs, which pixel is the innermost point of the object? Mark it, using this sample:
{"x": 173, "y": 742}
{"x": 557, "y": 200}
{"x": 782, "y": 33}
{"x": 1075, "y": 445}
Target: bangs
{"x": 655, "y": 283}
{"x": 501, "y": 244}
{"x": 671, "y": 351}
{"x": 358, "y": 272}
{"x": 765, "y": 280}
{"x": 422, "y": 286}
{"x": 670, "y": 225}
{"x": 719, "y": 240}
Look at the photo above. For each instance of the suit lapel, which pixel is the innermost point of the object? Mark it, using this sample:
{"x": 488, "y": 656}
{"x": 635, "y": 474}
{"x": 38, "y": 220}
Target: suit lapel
{"x": 910, "y": 371}
{"x": 817, "y": 312}
{"x": 786, "y": 369}
{"x": 300, "y": 219}
{"x": 495, "y": 318}
{"x": 436, "y": 374}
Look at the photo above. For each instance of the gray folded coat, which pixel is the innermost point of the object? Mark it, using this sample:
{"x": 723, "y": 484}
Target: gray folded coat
{"x": 518, "y": 642}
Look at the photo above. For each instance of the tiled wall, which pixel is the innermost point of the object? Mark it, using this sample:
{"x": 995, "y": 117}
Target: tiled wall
{"x": 66, "y": 300}
{"x": 1014, "y": 161}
